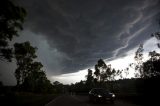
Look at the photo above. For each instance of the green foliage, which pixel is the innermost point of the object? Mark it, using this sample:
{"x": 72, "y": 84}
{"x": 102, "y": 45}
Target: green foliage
{"x": 11, "y": 20}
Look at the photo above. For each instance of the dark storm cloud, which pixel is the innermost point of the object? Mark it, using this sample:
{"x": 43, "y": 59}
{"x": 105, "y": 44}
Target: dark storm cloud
{"x": 79, "y": 32}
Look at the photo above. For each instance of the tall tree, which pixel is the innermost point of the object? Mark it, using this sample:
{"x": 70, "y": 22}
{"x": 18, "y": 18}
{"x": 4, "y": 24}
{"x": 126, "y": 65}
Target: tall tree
{"x": 109, "y": 74}
{"x": 89, "y": 81}
{"x": 157, "y": 36}
{"x": 33, "y": 76}
{"x": 97, "y": 73}
{"x": 24, "y": 54}
{"x": 151, "y": 67}
{"x": 11, "y": 20}
{"x": 138, "y": 66}
{"x": 104, "y": 72}
{"x": 29, "y": 73}
{"x": 99, "y": 68}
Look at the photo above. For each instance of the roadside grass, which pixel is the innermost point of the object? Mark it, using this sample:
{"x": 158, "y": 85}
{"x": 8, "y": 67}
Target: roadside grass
{"x": 131, "y": 98}
{"x": 27, "y": 99}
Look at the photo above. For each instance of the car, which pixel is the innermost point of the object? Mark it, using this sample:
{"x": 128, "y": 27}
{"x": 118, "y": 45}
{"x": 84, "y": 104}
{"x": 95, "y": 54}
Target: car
{"x": 101, "y": 95}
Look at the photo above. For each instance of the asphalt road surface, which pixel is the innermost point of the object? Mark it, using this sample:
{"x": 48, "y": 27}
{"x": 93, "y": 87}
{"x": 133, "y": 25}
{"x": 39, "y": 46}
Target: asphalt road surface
{"x": 73, "y": 100}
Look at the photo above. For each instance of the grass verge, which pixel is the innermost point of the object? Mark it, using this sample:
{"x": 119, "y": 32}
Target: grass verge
{"x": 26, "y": 99}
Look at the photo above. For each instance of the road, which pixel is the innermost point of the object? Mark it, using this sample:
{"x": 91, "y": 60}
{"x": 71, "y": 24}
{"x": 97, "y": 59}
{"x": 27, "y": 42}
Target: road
{"x": 73, "y": 100}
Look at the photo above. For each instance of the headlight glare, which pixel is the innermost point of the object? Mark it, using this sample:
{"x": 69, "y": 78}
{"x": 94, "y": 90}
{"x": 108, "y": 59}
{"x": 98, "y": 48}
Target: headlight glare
{"x": 99, "y": 96}
{"x": 113, "y": 95}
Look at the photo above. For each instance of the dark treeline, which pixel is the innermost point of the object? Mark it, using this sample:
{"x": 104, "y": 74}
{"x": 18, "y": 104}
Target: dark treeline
{"x": 141, "y": 90}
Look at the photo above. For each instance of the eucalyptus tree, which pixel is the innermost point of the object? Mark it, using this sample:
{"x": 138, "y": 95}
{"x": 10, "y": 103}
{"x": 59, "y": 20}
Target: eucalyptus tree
{"x": 12, "y": 17}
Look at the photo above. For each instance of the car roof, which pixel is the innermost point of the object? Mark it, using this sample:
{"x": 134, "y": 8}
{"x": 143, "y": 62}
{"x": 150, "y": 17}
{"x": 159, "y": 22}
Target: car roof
{"x": 98, "y": 88}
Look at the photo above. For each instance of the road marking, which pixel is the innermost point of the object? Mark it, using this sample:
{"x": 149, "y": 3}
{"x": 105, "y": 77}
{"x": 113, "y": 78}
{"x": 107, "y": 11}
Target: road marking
{"x": 52, "y": 101}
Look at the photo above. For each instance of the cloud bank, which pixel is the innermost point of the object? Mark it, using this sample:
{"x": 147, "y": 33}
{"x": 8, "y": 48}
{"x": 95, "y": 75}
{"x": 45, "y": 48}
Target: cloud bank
{"x": 76, "y": 33}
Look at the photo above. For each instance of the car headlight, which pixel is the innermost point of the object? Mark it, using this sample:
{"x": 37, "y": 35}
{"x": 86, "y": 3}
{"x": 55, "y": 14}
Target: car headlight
{"x": 99, "y": 96}
{"x": 113, "y": 95}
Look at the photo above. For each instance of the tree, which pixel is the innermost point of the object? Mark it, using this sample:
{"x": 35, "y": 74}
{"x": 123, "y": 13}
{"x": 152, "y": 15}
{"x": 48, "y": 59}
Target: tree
{"x": 104, "y": 72}
{"x": 90, "y": 80}
{"x": 151, "y": 67}
{"x": 11, "y": 20}
{"x": 24, "y": 54}
{"x": 157, "y": 36}
{"x": 97, "y": 73}
{"x": 59, "y": 87}
{"x": 138, "y": 65}
{"x": 56, "y": 83}
{"x": 29, "y": 73}
{"x": 99, "y": 68}
{"x": 35, "y": 78}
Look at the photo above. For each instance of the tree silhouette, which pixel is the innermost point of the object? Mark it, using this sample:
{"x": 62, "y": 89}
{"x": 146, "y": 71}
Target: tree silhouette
{"x": 97, "y": 73}
{"x": 90, "y": 79}
{"x": 151, "y": 67}
{"x": 100, "y": 67}
{"x": 104, "y": 72}
{"x": 138, "y": 65}
{"x": 36, "y": 80}
{"x": 157, "y": 36}
{"x": 58, "y": 87}
{"x": 11, "y": 20}
{"x": 29, "y": 73}
{"x": 24, "y": 54}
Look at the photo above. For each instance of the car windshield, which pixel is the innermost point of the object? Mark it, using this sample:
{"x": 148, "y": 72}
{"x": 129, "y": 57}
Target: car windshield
{"x": 101, "y": 91}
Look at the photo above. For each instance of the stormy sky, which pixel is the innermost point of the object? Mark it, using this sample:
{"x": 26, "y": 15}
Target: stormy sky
{"x": 71, "y": 35}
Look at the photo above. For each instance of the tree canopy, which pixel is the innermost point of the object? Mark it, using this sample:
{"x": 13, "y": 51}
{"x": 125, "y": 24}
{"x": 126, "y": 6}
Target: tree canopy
{"x": 29, "y": 73}
{"x": 24, "y": 54}
{"x": 11, "y": 20}
{"x": 151, "y": 67}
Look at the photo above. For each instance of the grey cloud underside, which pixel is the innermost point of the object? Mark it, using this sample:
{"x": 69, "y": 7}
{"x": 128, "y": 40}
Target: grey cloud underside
{"x": 82, "y": 31}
